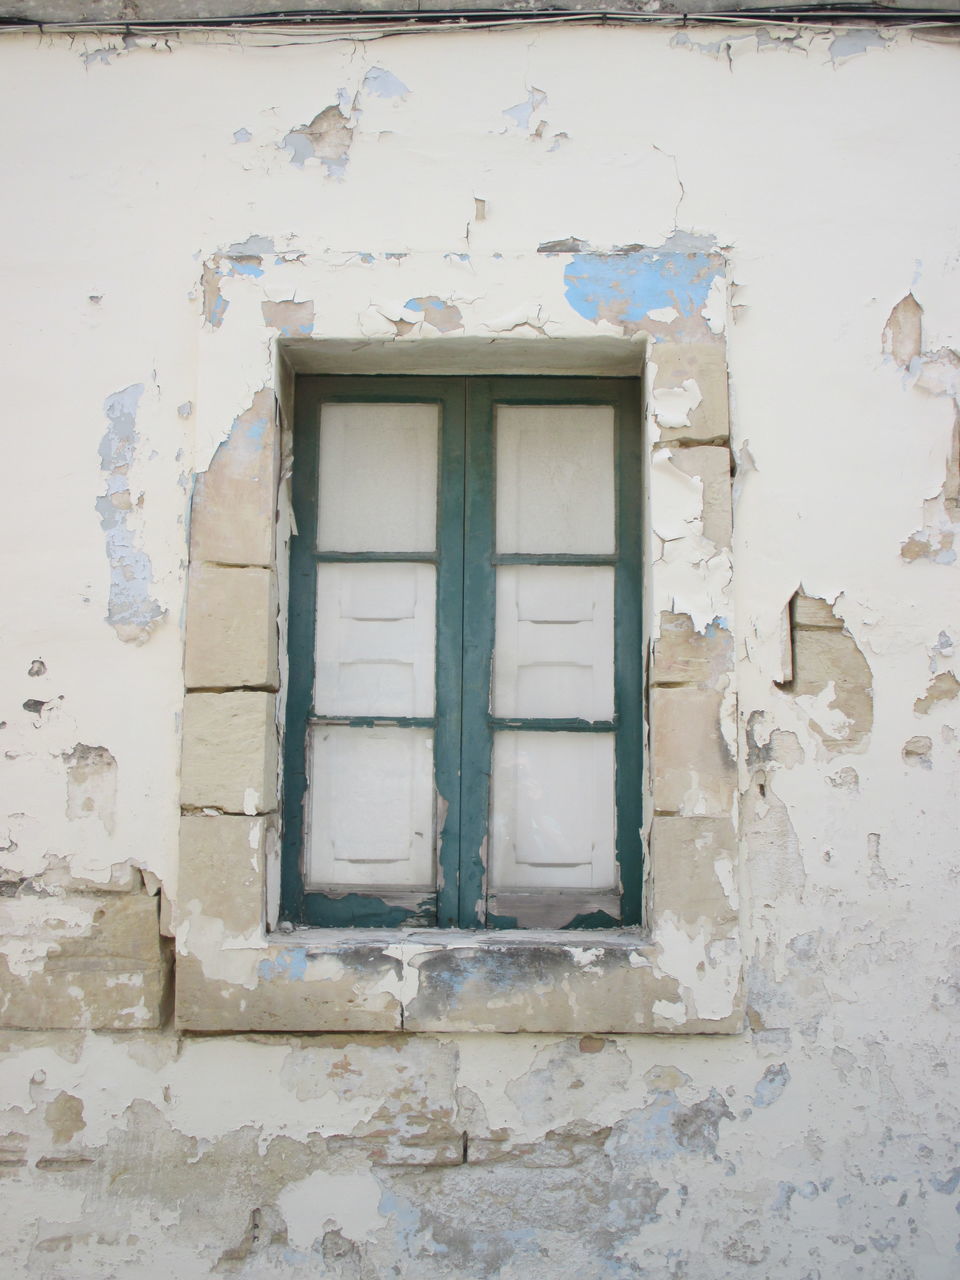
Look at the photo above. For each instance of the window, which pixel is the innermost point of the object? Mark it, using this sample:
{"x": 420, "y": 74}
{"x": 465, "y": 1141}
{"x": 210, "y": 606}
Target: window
{"x": 464, "y": 712}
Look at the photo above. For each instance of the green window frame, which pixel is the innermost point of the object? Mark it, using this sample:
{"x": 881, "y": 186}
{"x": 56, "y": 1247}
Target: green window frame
{"x": 466, "y": 563}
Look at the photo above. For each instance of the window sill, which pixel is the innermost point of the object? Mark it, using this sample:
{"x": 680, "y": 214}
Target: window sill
{"x": 451, "y": 981}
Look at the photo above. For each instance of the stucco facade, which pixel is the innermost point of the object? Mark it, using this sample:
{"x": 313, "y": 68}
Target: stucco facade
{"x": 758, "y": 221}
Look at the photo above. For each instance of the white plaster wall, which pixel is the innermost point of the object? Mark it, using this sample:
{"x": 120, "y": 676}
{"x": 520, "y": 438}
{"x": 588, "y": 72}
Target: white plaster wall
{"x": 821, "y": 1143}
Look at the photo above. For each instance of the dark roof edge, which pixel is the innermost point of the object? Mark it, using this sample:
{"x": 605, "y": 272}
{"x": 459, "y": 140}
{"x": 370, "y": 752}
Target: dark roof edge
{"x": 145, "y": 15}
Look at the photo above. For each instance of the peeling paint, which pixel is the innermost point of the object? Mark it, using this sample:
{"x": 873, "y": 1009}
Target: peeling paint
{"x": 293, "y": 319}
{"x": 91, "y": 784}
{"x": 441, "y": 315}
{"x": 384, "y": 84}
{"x": 854, "y": 42}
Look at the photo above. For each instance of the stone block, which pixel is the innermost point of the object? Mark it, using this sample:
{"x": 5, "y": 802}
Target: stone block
{"x": 711, "y": 465}
{"x": 218, "y": 850}
{"x": 540, "y": 986}
{"x": 693, "y": 772}
{"x": 229, "y": 752}
{"x": 809, "y": 611}
{"x": 234, "y": 502}
{"x": 689, "y": 393}
{"x": 231, "y": 628}
{"x": 75, "y": 961}
{"x": 289, "y": 987}
{"x": 682, "y": 655}
{"x": 822, "y": 657}
{"x": 694, "y": 869}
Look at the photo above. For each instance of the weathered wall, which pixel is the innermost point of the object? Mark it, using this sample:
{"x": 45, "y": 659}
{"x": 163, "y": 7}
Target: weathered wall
{"x": 177, "y": 206}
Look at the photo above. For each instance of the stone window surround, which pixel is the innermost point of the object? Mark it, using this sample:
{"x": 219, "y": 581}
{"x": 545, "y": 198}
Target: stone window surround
{"x": 680, "y": 974}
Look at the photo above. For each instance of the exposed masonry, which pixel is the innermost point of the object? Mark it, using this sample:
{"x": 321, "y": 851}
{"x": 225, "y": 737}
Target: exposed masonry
{"x": 829, "y": 676}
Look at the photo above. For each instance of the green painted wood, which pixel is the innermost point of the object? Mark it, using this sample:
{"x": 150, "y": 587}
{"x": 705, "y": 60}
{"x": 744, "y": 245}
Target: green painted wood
{"x": 375, "y": 722}
{"x": 361, "y": 908}
{"x": 466, "y": 583}
{"x": 300, "y": 646}
{"x": 623, "y": 394}
{"x": 365, "y": 911}
{"x": 366, "y": 557}
{"x": 479, "y": 603}
{"x": 449, "y": 778}
{"x": 554, "y": 726}
{"x": 559, "y": 557}
{"x": 628, "y": 652}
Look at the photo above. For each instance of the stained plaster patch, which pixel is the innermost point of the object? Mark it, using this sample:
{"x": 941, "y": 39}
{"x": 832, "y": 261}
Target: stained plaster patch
{"x": 91, "y": 784}
{"x": 942, "y": 688}
{"x": 132, "y": 610}
{"x": 936, "y": 373}
{"x": 327, "y": 138}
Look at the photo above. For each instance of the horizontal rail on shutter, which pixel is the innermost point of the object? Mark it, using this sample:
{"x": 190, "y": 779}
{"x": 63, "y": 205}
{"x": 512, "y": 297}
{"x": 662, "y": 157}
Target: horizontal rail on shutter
{"x": 555, "y": 557}
{"x": 559, "y": 726}
{"x": 375, "y": 722}
{"x": 366, "y": 557}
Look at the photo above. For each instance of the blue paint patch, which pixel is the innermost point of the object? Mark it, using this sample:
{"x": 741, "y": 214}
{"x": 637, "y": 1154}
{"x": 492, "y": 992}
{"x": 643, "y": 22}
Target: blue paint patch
{"x": 384, "y": 84}
{"x": 771, "y": 1085}
{"x": 626, "y": 287}
{"x": 242, "y": 135}
{"x": 785, "y": 1193}
{"x": 290, "y": 964}
{"x": 299, "y": 146}
{"x": 218, "y": 311}
{"x": 948, "y": 1185}
{"x": 246, "y": 268}
{"x": 119, "y": 441}
{"x": 131, "y": 609}
{"x": 718, "y": 624}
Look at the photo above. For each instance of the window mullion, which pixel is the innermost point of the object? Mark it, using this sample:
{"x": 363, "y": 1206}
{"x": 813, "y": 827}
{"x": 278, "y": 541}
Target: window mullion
{"x": 479, "y": 599}
{"x": 450, "y": 633}
{"x": 628, "y": 663}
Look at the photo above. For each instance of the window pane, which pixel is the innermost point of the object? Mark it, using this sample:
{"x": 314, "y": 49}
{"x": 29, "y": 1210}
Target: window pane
{"x": 555, "y": 479}
{"x": 375, "y": 639}
{"x": 371, "y": 807}
{"x": 552, "y": 813}
{"x": 554, "y": 641}
{"x": 378, "y": 477}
